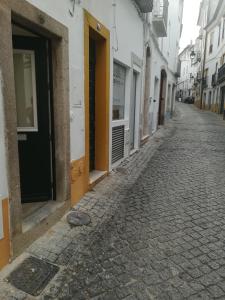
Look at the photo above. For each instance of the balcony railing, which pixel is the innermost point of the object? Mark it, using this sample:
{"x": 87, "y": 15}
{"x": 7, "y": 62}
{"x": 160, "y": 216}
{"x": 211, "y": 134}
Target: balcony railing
{"x": 214, "y": 80}
{"x": 145, "y": 6}
{"x": 160, "y": 17}
{"x": 221, "y": 74}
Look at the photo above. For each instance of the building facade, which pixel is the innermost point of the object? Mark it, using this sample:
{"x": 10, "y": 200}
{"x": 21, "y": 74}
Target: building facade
{"x": 209, "y": 87}
{"x": 213, "y": 91}
{"x": 82, "y": 84}
{"x": 163, "y": 28}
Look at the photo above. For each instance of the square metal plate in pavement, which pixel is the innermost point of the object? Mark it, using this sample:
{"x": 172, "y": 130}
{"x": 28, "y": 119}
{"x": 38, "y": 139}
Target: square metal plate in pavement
{"x": 32, "y": 275}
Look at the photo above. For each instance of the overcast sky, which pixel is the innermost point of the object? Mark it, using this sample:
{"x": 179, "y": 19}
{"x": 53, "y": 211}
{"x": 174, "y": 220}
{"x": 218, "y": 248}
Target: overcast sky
{"x": 190, "y": 17}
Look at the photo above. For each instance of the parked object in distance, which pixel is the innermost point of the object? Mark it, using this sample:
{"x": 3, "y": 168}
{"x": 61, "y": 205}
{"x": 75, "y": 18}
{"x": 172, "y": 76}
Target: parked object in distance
{"x": 189, "y": 100}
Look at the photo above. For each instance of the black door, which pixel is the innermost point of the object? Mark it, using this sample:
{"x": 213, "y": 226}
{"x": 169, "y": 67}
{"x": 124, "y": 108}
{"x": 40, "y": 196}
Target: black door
{"x": 92, "y": 63}
{"x": 34, "y": 118}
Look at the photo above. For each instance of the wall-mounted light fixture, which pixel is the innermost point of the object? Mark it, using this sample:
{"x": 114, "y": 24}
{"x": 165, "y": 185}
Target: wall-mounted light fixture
{"x": 192, "y": 55}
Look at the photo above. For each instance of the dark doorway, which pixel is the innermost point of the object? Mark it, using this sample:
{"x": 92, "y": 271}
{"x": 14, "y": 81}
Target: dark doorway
{"x": 133, "y": 111}
{"x": 162, "y": 96}
{"x": 147, "y": 93}
{"x": 34, "y": 118}
{"x": 92, "y": 69}
{"x": 210, "y": 99}
{"x": 222, "y": 101}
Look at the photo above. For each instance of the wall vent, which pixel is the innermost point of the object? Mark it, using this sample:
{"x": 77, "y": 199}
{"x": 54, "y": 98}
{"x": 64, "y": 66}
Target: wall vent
{"x": 117, "y": 143}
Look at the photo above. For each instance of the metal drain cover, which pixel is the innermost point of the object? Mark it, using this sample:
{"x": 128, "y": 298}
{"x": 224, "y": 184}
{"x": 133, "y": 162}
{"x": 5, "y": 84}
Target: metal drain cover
{"x": 32, "y": 276}
{"x": 78, "y": 218}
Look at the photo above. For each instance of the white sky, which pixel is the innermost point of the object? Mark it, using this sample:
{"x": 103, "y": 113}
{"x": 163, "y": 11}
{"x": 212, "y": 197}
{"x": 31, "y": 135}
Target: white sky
{"x": 190, "y": 18}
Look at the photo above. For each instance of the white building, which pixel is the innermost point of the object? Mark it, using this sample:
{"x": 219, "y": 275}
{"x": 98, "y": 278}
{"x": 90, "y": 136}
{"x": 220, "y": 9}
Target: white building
{"x": 185, "y": 81}
{"x": 163, "y": 29}
{"x": 188, "y": 81}
{"x": 214, "y": 90}
{"x": 82, "y": 84}
{"x": 211, "y": 48}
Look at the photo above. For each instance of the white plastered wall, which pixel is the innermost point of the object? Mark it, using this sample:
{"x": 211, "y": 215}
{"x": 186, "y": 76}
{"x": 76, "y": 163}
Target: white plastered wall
{"x": 129, "y": 30}
{"x": 164, "y": 56}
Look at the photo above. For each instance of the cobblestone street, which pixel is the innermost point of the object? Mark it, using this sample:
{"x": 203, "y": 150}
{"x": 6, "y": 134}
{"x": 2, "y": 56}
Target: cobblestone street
{"x": 158, "y": 223}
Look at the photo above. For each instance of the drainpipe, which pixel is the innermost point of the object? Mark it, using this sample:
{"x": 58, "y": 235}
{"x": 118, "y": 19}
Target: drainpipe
{"x": 203, "y": 70}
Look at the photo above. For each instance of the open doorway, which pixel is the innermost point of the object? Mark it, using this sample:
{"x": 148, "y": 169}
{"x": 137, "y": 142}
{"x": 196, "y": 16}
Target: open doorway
{"x": 96, "y": 100}
{"x": 146, "y": 122}
{"x": 210, "y": 101}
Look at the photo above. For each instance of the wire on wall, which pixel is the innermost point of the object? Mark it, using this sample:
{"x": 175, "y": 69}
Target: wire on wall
{"x": 73, "y": 4}
{"x": 115, "y": 34}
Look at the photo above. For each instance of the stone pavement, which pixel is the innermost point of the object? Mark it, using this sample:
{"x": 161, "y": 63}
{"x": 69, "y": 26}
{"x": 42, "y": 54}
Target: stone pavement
{"x": 158, "y": 223}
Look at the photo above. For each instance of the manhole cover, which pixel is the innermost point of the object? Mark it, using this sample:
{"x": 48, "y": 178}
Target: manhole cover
{"x": 78, "y": 218}
{"x": 32, "y": 276}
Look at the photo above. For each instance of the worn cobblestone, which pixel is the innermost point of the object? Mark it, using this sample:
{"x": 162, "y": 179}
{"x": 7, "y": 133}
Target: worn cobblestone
{"x": 158, "y": 223}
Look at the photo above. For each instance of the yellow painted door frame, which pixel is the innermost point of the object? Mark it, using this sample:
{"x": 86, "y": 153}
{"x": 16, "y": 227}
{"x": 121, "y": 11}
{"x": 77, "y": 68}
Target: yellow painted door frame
{"x": 5, "y": 242}
{"x": 95, "y": 30}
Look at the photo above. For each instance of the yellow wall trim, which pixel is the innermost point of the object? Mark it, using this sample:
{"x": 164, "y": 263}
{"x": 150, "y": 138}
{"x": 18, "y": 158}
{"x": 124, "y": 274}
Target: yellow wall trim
{"x": 77, "y": 180}
{"x": 5, "y": 242}
{"x": 80, "y": 183}
{"x": 97, "y": 31}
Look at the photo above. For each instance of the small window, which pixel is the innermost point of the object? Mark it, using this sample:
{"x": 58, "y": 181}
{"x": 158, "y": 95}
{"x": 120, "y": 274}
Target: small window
{"x": 119, "y": 79}
{"x": 211, "y": 42}
{"x": 223, "y": 32}
{"x": 25, "y": 90}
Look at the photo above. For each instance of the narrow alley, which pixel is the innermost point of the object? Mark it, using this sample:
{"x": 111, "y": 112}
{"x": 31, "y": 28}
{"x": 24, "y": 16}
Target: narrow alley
{"x": 112, "y": 149}
{"x": 154, "y": 235}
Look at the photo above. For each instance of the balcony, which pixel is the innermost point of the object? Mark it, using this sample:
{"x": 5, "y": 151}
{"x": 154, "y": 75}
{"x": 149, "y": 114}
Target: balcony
{"x": 145, "y": 6}
{"x": 160, "y": 17}
{"x": 221, "y": 74}
{"x": 214, "y": 80}
{"x": 196, "y": 82}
